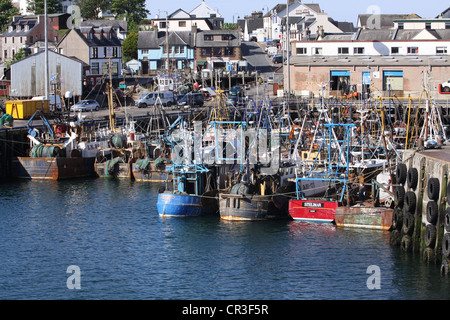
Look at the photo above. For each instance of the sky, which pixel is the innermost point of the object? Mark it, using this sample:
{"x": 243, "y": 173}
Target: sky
{"x": 344, "y": 10}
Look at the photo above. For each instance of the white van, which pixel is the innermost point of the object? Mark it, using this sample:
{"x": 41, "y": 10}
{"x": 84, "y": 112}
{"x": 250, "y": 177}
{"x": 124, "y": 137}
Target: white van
{"x": 167, "y": 99}
{"x": 55, "y": 102}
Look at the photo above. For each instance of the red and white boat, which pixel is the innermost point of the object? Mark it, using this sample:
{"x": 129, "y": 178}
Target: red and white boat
{"x": 313, "y": 210}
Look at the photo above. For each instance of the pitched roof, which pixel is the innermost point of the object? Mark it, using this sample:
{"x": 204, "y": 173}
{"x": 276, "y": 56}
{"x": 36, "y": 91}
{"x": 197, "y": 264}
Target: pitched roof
{"x": 234, "y": 42}
{"x": 386, "y": 20}
{"x": 204, "y": 11}
{"x": 122, "y": 24}
{"x": 155, "y": 39}
{"x": 97, "y": 39}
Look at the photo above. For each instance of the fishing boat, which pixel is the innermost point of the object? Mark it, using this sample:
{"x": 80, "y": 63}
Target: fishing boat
{"x": 189, "y": 195}
{"x": 323, "y": 208}
{"x": 54, "y": 153}
{"x": 152, "y": 167}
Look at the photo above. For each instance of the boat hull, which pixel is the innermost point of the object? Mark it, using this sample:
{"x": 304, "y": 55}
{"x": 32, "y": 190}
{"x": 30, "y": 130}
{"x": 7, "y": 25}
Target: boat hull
{"x": 313, "y": 210}
{"x": 248, "y": 208}
{"x": 378, "y": 218}
{"x": 171, "y": 204}
{"x": 53, "y": 168}
{"x": 119, "y": 170}
{"x": 151, "y": 175}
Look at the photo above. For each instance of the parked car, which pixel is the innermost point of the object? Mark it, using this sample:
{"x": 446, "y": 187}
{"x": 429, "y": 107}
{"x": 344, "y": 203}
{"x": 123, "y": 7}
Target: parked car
{"x": 167, "y": 99}
{"x": 85, "y": 105}
{"x": 236, "y": 91}
{"x": 235, "y": 101}
{"x": 192, "y": 99}
{"x": 278, "y": 58}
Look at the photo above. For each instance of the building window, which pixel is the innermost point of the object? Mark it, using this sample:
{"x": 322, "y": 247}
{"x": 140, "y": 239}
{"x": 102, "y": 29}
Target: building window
{"x": 94, "y": 52}
{"x": 428, "y": 25}
{"x": 105, "y": 67}
{"x": 95, "y": 68}
{"x": 218, "y": 52}
{"x": 182, "y": 24}
{"x": 229, "y": 51}
{"x": 343, "y": 50}
{"x": 162, "y": 25}
{"x": 395, "y": 50}
{"x": 104, "y": 52}
{"x": 144, "y": 51}
{"x": 400, "y": 25}
{"x": 447, "y": 25}
{"x": 393, "y": 80}
{"x": 413, "y": 50}
{"x": 115, "y": 68}
{"x": 208, "y": 37}
{"x": 441, "y": 50}
{"x": 227, "y": 37}
{"x": 317, "y": 51}
{"x": 358, "y": 50}
{"x": 6, "y": 54}
{"x": 302, "y": 51}
{"x": 115, "y": 51}
{"x": 206, "y": 52}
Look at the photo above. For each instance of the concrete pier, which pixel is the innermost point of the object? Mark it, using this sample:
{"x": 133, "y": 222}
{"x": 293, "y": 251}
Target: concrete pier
{"x": 422, "y": 200}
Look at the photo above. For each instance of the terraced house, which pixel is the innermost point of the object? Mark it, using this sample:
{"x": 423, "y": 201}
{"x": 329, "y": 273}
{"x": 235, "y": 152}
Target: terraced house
{"x": 28, "y": 32}
{"x": 99, "y": 47}
{"x": 162, "y": 51}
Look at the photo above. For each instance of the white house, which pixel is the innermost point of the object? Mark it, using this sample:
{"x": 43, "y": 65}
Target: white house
{"x": 273, "y": 19}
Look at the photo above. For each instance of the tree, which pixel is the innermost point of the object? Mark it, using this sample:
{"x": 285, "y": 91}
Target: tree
{"x": 229, "y": 26}
{"x": 133, "y": 10}
{"x": 38, "y": 6}
{"x": 7, "y": 11}
{"x": 90, "y": 9}
{"x": 129, "y": 46}
{"x": 20, "y": 54}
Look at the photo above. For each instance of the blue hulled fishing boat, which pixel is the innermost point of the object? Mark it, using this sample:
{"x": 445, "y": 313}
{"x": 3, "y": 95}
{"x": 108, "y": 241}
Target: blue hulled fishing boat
{"x": 189, "y": 195}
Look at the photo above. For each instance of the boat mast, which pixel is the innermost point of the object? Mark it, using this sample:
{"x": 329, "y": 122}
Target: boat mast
{"x": 288, "y": 82}
{"x": 46, "y": 88}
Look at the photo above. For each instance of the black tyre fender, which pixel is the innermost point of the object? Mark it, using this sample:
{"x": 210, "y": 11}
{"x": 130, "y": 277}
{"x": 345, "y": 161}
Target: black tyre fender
{"x": 444, "y": 267}
{"x": 408, "y": 223}
{"x": 430, "y": 236}
{"x": 399, "y": 195}
{"x": 447, "y": 219}
{"x": 397, "y": 219}
{"x": 406, "y": 243}
{"x": 433, "y": 188}
{"x": 401, "y": 172}
{"x": 448, "y": 193}
{"x": 410, "y": 202}
{"x": 432, "y": 212}
{"x": 413, "y": 178}
{"x": 446, "y": 245}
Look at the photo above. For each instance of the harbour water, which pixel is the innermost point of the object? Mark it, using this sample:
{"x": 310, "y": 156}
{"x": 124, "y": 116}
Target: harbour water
{"x": 111, "y": 231}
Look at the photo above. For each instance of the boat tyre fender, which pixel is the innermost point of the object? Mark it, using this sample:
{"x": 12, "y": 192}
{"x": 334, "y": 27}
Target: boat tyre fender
{"x": 410, "y": 202}
{"x": 408, "y": 223}
{"x": 446, "y": 245}
{"x": 412, "y": 178}
{"x": 430, "y": 236}
{"x": 444, "y": 267}
{"x": 397, "y": 219}
{"x": 399, "y": 195}
{"x": 448, "y": 193}
{"x": 406, "y": 243}
{"x": 447, "y": 219}
{"x": 432, "y": 212}
{"x": 401, "y": 173}
{"x": 433, "y": 188}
